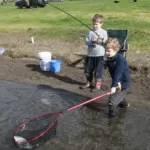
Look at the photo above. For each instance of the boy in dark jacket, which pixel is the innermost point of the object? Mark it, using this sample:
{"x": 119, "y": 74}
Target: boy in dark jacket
{"x": 119, "y": 71}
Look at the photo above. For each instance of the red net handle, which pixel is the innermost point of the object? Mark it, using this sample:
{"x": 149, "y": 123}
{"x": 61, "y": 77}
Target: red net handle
{"x": 55, "y": 120}
{"x": 89, "y": 101}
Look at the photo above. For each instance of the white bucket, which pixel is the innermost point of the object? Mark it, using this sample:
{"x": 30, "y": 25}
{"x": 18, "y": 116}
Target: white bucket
{"x": 45, "y": 55}
{"x": 45, "y": 64}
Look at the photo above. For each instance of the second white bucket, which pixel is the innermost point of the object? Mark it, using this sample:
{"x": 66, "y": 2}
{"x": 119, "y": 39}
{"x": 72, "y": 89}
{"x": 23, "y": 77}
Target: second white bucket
{"x": 45, "y": 58}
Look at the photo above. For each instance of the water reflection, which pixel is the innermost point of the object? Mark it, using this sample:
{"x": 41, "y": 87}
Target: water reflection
{"x": 86, "y": 129}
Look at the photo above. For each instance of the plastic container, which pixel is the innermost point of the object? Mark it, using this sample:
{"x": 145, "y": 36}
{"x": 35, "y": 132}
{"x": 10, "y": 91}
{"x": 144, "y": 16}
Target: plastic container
{"x": 55, "y": 65}
{"x": 45, "y": 55}
{"x": 45, "y": 58}
{"x": 45, "y": 64}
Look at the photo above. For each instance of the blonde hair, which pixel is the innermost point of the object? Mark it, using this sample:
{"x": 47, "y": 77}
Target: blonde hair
{"x": 98, "y": 18}
{"x": 112, "y": 43}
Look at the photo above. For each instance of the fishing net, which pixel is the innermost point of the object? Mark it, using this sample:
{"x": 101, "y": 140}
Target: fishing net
{"x": 36, "y": 131}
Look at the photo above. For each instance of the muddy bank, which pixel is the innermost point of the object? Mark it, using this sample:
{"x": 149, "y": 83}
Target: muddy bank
{"x": 27, "y": 70}
{"x": 72, "y": 53}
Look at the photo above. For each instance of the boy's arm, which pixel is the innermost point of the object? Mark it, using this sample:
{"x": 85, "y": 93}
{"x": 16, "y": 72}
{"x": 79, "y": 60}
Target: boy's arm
{"x": 88, "y": 40}
{"x": 118, "y": 72}
{"x": 105, "y": 37}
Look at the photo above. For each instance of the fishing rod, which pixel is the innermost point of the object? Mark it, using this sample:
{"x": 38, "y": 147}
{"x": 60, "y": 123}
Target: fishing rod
{"x": 74, "y": 18}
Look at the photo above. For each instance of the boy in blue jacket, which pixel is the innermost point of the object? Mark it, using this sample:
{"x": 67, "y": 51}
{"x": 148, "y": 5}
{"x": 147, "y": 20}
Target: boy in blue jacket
{"x": 119, "y": 71}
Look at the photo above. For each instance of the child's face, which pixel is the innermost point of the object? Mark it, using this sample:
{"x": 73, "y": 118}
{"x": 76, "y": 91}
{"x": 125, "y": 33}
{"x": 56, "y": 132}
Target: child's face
{"x": 97, "y": 25}
{"x": 110, "y": 52}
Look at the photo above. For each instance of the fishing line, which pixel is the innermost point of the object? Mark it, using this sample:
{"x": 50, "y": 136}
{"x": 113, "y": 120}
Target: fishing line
{"x": 74, "y": 18}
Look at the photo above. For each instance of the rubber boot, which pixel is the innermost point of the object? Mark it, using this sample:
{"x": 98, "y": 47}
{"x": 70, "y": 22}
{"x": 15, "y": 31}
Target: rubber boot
{"x": 98, "y": 84}
{"x": 124, "y": 104}
{"x": 112, "y": 112}
{"x": 87, "y": 85}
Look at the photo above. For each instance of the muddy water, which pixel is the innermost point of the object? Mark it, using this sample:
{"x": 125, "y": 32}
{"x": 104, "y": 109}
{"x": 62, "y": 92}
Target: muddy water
{"x": 85, "y": 128}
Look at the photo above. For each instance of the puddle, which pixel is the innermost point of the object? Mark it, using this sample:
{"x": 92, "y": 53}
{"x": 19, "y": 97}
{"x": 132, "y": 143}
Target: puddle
{"x": 84, "y": 128}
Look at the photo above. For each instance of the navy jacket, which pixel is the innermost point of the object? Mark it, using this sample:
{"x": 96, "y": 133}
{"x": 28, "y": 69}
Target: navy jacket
{"x": 119, "y": 71}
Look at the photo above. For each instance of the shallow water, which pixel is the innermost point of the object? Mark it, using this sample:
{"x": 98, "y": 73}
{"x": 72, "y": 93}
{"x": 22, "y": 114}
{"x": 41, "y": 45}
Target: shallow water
{"x": 85, "y": 128}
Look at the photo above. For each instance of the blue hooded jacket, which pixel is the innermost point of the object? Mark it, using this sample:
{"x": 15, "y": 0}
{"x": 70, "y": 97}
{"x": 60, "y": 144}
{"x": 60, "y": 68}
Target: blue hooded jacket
{"x": 119, "y": 71}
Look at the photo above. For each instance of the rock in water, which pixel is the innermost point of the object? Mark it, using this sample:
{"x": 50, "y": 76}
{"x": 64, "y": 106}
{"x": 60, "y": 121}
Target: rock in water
{"x": 20, "y": 142}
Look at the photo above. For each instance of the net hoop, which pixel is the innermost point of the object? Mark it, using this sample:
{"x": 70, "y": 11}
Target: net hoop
{"x": 54, "y": 122}
{"x": 44, "y": 132}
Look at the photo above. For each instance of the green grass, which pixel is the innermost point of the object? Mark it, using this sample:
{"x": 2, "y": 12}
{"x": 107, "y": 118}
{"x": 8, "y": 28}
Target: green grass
{"x": 50, "y": 22}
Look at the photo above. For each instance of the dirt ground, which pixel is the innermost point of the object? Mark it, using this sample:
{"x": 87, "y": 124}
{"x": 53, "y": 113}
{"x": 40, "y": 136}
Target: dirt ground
{"x": 20, "y": 63}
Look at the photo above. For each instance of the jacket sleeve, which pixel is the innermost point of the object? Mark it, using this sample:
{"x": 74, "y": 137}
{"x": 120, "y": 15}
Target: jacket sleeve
{"x": 118, "y": 71}
{"x": 88, "y": 39}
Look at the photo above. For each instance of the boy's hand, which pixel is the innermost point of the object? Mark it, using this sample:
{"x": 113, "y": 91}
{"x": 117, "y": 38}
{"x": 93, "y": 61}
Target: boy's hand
{"x": 94, "y": 40}
{"x": 113, "y": 90}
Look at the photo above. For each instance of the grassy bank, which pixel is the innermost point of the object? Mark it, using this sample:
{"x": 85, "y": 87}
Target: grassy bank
{"x": 49, "y": 22}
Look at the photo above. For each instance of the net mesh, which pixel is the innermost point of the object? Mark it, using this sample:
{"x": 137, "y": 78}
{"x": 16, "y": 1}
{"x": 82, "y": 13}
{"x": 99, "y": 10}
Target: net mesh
{"x": 36, "y": 131}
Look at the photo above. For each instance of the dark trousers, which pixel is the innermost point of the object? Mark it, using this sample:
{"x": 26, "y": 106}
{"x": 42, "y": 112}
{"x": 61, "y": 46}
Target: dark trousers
{"x": 115, "y": 100}
{"x": 93, "y": 67}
